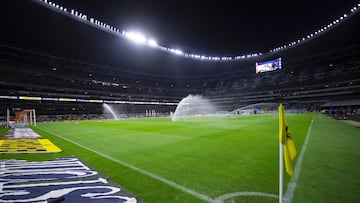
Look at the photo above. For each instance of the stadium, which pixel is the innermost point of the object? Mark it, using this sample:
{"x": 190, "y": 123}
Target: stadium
{"x": 138, "y": 101}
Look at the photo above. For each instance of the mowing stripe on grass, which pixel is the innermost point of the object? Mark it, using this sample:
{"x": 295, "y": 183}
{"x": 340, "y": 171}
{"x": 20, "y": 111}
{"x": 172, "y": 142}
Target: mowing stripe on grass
{"x": 161, "y": 179}
{"x": 293, "y": 182}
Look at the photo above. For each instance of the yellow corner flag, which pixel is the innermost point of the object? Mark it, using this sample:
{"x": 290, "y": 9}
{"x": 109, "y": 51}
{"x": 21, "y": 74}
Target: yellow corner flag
{"x": 287, "y": 141}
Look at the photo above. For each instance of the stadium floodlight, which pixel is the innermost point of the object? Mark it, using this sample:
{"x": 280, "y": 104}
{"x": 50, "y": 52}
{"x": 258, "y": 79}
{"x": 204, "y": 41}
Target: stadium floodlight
{"x": 152, "y": 43}
{"x": 176, "y": 51}
{"x": 141, "y": 39}
{"x": 135, "y": 37}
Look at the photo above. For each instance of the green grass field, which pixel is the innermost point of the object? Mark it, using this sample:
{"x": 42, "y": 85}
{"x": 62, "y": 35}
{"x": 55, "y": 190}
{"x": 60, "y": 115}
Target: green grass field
{"x": 204, "y": 158}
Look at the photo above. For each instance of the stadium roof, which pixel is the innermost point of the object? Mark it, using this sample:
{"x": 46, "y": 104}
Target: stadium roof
{"x": 211, "y": 28}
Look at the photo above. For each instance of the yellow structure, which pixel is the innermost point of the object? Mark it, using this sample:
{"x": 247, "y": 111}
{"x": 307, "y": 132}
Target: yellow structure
{"x": 10, "y": 146}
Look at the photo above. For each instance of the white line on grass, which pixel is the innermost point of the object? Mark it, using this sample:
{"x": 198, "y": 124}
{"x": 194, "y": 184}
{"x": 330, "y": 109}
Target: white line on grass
{"x": 236, "y": 194}
{"x": 293, "y": 182}
{"x": 161, "y": 179}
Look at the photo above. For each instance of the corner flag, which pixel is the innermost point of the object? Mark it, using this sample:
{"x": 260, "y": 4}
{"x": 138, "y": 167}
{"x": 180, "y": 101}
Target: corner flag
{"x": 287, "y": 141}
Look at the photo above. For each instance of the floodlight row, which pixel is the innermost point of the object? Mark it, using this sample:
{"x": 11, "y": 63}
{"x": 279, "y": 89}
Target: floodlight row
{"x": 141, "y": 39}
{"x": 321, "y": 30}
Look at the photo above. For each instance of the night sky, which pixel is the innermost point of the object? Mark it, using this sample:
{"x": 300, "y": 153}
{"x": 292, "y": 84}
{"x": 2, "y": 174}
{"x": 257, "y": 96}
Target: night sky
{"x": 204, "y": 27}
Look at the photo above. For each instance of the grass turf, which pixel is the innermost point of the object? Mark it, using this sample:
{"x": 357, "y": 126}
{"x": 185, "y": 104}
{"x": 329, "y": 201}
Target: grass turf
{"x": 212, "y": 156}
{"x": 330, "y": 171}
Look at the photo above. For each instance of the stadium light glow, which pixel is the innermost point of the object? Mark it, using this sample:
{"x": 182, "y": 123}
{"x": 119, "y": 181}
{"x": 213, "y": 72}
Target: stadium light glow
{"x": 141, "y": 39}
{"x": 136, "y": 37}
{"x": 152, "y": 43}
{"x": 176, "y": 51}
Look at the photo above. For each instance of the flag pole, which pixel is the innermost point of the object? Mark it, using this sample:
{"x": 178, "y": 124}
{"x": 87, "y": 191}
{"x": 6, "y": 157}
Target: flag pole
{"x": 281, "y": 171}
{"x": 7, "y": 117}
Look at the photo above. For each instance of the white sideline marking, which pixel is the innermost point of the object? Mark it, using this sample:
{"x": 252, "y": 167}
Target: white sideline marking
{"x": 236, "y": 194}
{"x": 161, "y": 179}
{"x": 293, "y": 182}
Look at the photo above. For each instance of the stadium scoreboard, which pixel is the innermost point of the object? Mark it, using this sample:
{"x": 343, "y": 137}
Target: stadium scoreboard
{"x": 267, "y": 66}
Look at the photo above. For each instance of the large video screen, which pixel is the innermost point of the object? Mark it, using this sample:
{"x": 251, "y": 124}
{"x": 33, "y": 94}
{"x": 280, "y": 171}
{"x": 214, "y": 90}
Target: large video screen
{"x": 268, "y": 65}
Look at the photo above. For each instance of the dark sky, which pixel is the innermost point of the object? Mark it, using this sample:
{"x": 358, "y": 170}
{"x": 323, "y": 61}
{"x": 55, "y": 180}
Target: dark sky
{"x": 205, "y": 27}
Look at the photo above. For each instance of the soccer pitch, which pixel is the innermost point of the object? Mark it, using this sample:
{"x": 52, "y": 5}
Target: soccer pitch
{"x": 205, "y": 159}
